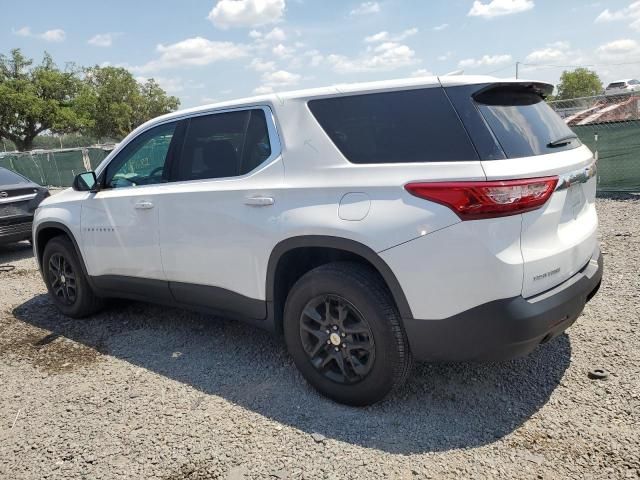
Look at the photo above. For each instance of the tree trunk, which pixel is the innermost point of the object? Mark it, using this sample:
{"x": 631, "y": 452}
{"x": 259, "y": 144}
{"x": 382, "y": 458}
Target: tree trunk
{"x": 24, "y": 144}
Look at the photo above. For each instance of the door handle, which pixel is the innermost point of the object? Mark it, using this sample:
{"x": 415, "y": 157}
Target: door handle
{"x": 144, "y": 205}
{"x": 259, "y": 201}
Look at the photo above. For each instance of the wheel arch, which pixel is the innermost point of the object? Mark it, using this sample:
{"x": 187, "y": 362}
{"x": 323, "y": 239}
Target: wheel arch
{"x": 310, "y": 251}
{"x": 45, "y": 231}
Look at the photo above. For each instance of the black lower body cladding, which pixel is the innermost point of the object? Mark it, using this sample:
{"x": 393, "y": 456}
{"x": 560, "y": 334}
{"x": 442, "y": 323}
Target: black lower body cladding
{"x": 506, "y": 328}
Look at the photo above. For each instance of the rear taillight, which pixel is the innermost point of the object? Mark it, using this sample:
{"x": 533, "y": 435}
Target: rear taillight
{"x": 476, "y": 200}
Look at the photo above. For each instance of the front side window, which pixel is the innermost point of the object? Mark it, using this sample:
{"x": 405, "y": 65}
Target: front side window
{"x": 408, "y": 126}
{"x": 224, "y": 145}
{"x": 143, "y": 160}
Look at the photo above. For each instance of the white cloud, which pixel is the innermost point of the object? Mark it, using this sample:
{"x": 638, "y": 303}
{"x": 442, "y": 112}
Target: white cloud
{"x": 439, "y": 28}
{"x": 280, "y": 78}
{"x": 547, "y": 55}
{"x": 102, "y": 39}
{"x": 366, "y": 8}
{"x": 283, "y": 51}
{"x": 262, "y": 90}
{"x": 386, "y": 56}
{"x": 485, "y": 61}
{"x": 23, "y": 32}
{"x": 378, "y": 37}
{"x": 315, "y": 57}
{"x": 444, "y": 57}
{"x": 624, "y": 49}
{"x": 275, "y": 35}
{"x": 632, "y": 12}
{"x": 246, "y": 13}
{"x": 422, "y": 72}
{"x": 386, "y": 37}
{"x": 497, "y": 8}
{"x": 195, "y": 51}
{"x": 54, "y": 35}
{"x": 260, "y": 65}
{"x": 276, "y": 80}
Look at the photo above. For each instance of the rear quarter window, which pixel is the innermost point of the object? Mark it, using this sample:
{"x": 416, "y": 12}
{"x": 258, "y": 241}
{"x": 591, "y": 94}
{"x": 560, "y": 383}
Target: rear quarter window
{"x": 409, "y": 126}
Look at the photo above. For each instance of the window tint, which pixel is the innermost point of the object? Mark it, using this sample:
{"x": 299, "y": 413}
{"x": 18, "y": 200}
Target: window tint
{"x": 142, "y": 161}
{"x": 617, "y": 85}
{"x": 523, "y": 123}
{"x": 7, "y": 177}
{"x": 395, "y": 127}
{"x": 224, "y": 145}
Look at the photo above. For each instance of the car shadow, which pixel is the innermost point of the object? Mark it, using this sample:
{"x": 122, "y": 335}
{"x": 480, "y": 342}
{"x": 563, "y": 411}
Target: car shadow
{"x": 14, "y": 252}
{"x": 442, "y": 406}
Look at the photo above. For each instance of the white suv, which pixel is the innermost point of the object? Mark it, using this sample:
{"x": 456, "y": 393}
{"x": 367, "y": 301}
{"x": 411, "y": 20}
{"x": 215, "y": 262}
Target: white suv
{"x": 621, "y": 87}
{"x": 435, "y": 219}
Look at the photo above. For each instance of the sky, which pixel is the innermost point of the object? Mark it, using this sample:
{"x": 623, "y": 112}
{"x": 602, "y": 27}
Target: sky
{"x": 204, "y": 51}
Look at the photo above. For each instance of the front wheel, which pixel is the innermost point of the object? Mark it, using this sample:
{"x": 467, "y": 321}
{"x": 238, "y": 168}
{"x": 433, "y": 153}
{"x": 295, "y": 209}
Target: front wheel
{"x": 67, "y": 285}
{"x": 345, "y": 335}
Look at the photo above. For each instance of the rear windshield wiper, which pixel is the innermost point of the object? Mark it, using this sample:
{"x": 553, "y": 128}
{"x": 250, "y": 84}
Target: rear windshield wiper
{"x": 561, "y": 142}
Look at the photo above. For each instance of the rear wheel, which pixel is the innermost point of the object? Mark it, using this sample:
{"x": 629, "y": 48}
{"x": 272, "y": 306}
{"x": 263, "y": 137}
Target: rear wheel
{"x": 65, "y": 280}
{"x": 345, "y": 335}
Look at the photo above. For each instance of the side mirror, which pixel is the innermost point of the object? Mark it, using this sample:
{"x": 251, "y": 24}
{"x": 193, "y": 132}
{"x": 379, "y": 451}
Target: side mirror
{"x": 85, "y": 182}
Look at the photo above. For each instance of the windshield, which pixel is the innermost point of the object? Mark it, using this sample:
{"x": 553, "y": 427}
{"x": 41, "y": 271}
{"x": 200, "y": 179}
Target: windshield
{"x": 523, "y": 123}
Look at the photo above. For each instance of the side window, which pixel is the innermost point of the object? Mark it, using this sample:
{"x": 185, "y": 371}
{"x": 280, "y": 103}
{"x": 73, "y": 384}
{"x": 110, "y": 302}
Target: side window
{"x": 142, "y": 161}
{"x": 224, "y": 145}
{"x": 409, "y": 126}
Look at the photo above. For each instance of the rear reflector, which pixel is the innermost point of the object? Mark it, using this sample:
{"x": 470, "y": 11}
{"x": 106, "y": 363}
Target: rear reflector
{"x": 476, "y": 200}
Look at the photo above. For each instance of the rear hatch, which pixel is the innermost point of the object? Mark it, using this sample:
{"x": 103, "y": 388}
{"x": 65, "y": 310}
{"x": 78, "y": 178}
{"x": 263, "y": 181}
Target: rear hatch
{"x": 525, "y": 138}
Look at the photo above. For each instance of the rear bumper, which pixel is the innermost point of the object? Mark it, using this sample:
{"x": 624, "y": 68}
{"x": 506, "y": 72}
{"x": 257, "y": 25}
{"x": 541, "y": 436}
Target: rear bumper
{"x": 505, "y": 328}
{"x": 15, "y": 232}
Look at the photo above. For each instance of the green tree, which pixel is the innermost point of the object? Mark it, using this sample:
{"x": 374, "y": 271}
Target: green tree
{"x": 34, "y": 99}
{"x": 117, "y": 103}
{"x": 154, "y": 101}
{"x": 581, "y": 82}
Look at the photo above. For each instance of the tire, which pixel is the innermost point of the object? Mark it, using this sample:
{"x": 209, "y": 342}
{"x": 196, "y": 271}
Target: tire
{"x": 372, "y": 343}
{"x": 69, "y": 290}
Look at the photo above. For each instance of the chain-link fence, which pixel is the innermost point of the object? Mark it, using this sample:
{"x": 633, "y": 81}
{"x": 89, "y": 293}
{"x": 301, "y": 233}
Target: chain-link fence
{"x": 610, "y": 126}
{"x": 55, "y": 167}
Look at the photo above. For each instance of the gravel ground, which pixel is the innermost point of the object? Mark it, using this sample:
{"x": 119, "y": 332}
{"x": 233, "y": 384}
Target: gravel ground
{"x": 146, "y": 392}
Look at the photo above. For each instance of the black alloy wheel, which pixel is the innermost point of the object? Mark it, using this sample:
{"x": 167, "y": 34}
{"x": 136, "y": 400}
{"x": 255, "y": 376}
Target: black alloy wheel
{"x": 337, "y": 339}
{"x": 63, "y": 279}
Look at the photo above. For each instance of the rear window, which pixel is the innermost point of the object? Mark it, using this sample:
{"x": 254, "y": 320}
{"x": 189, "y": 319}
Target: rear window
{"x": 523, "y": 123}
{"x": 617, "y": 85}
{"x": 409, "y": 126}
{"x": 7, "y": 177}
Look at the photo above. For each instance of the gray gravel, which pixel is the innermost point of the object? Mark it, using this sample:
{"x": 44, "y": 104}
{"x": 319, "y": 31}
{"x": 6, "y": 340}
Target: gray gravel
{"x": 146, "y": 392}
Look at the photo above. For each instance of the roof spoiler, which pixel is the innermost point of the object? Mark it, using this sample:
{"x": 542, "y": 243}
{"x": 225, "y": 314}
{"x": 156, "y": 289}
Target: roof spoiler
{"x": 539, "y": 88}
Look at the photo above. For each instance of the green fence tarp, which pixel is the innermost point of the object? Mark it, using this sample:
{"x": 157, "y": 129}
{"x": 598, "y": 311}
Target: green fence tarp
{"x": 55, "y": 167}
{"x": 96, "y": 155}
{"x": 618, "y": 147}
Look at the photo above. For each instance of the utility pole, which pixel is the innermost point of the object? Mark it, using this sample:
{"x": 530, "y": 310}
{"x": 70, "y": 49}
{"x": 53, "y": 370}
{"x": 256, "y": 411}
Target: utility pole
{"x": 517, "y": 68}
